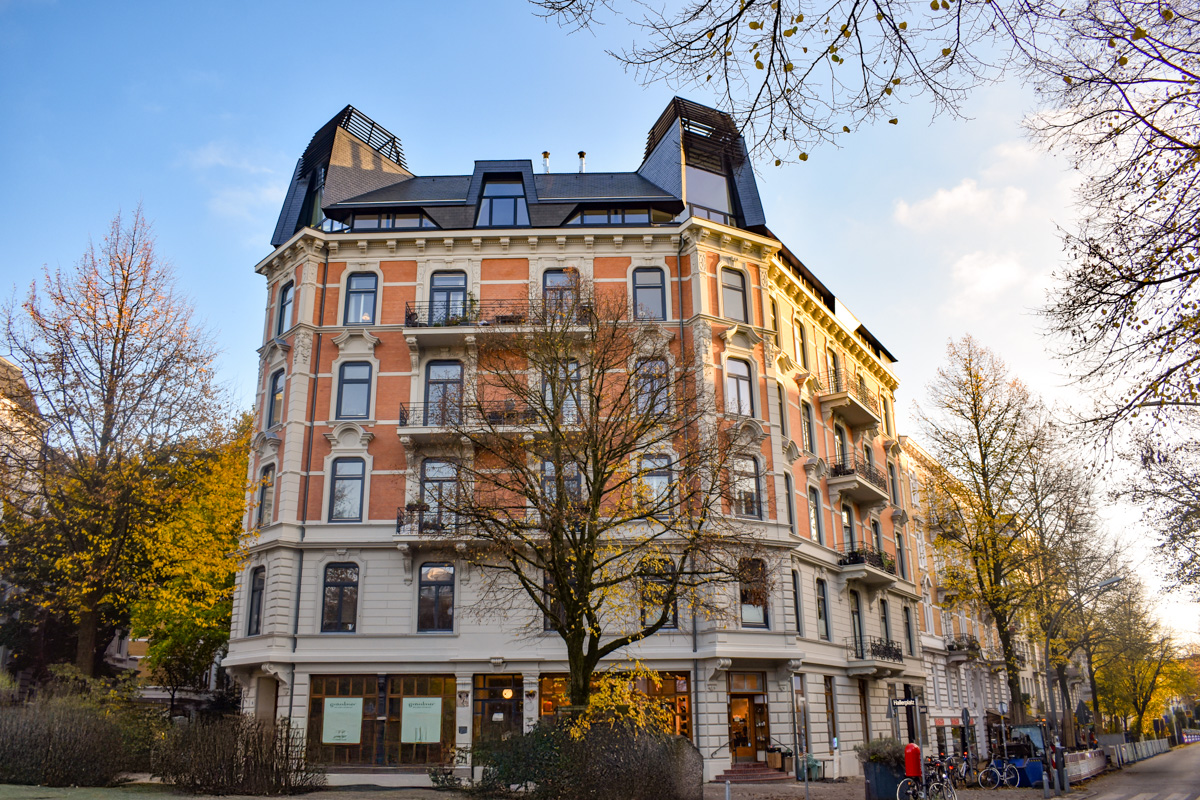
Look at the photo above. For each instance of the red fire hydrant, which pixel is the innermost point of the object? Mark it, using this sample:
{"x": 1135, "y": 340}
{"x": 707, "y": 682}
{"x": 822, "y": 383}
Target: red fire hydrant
{"x": 912, "y": 760}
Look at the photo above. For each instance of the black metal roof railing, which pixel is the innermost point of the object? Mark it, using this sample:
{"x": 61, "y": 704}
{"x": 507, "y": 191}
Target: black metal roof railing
{"x": 842, "y": 380}
{"x": 865, "y": 553}
{"x": 848, "y": 465}
{"x": 874, "y": 647}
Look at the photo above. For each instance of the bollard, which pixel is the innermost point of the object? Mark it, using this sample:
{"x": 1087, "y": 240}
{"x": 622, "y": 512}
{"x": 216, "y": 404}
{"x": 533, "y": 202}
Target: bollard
{"x": 727, "y": 790}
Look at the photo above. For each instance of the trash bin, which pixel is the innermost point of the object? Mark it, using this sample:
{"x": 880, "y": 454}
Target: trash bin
{"x": 1029, "y": 772}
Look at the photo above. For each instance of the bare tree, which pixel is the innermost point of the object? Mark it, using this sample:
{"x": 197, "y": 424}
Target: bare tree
{"x": 123, "y": 378}
{"x": 592, "y": 479}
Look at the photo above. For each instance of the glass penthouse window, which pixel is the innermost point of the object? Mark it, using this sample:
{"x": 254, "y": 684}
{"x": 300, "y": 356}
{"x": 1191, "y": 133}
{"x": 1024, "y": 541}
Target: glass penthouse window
{"x": 375, "y": 222}
{"x": 503, "y": 204}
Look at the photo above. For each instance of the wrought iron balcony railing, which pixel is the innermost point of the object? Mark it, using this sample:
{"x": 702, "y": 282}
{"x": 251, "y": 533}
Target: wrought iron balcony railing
{"x": 419, "y": 518}
{"x": 486, "y": 313}
{"x": 848, "y": 465}
{"x": 964, "y": 642}
{"x": 874, "y": 647}
{"x": 446, "y": 414}
{"x": 864, "y": 553}
{"x": 841, "y": 380}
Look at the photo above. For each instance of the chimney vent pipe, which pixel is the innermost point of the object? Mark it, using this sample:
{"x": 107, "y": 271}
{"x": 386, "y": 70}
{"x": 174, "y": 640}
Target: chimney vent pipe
{"x": 582, "y": 161}
{"x": 546, "y": 161}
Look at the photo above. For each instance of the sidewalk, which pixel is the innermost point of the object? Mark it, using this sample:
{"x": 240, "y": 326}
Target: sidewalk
{"x": 855, "y": 789}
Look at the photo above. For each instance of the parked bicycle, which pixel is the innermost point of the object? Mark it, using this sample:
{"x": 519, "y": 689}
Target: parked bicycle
{"x": 937, "y": 785}
{"x": 998, "y": 773}
{"x": 962, "y": 770}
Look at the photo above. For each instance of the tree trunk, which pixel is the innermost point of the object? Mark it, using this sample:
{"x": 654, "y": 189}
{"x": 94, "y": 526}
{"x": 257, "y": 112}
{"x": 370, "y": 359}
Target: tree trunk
{"x": 1095, "y": 691}
{"x": 1068, "y": 713}
{"x": 85, "y": 643}
{"x": 579, "y": 684}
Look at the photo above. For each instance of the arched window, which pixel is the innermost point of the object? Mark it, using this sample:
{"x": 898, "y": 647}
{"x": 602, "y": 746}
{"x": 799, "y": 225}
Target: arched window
{"x": 339, "y": 610}
{"x": 822, "y": 610}
{"x": 800, "y": 343}
{"x": 258, "y": 584}
{"x": 791, "y": 503}
{"x": 841, "y": 447}
{"x": 738, "y": 397}
{"x": 856, "y": 623}
{"x": 781, "y": 395}
{"x": 360, "y": 298}
{"x": 833, "y": 376}
{"x": 848, "y": 539}
{"x": 893, "y": 484}
{"x": 266, "y": 496}
{"x": 435, "y": 598}
{"x": 733, "y": 295}
{"x": 649, "y": 293}
{"x": 275, "y": 399}
{"x": 346, "y": 493}
{"x": 901, "y": 561}
{"x": 354, "y": 390}
{"x": 877, "y": 534}
{"x": 286, "y": 296}
{"x": 754, "y": 593}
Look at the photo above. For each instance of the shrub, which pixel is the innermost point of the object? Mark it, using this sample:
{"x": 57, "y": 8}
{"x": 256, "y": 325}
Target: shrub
{"x": 606, "y": 762}
{"x": 886, "y": 751}
{"x": 236, "y": 755}
{"x": 60, "y": 742}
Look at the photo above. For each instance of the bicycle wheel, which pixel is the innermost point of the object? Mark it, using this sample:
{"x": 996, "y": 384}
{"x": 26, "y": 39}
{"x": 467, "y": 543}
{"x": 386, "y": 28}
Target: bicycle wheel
{"x": 989, "y": 778}
{"x": 941, "y": 791}
{"x": 1010, "y": 777}
{"x": 904, "y": 791}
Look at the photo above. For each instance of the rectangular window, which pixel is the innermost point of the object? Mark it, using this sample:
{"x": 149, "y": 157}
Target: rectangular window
{"x": 791, "y": 503}
{"x": 814, "y": 516}
{"x": 656, "y": 597}
{"x": 448, "y": 298}
{"x": 499, "y": 711}
{"x": 443, "y": 392}
{"x": 560, "y": 291}
{"x": 800, "y": 344}
{"x": 266, "y": 496}
{"x": 649, "y": 293}
{"x": 275, "y": 400}
{"x": 848, "y": 528}
{"x": 901, "y": 561}
{"x": 656, "y": 485}
{"x": 354, "y": 391}
{"x": 286, "y": 296}
{"x": 830, "y": 712}
{"x": 822, "y": 611}
{"x": 781, "y": 409}
{"x": 798, "y": 607}
{"x": 340, "y": 608}
{"x": 503, "y": 204}
{"x": 560, "y": 393}
{"x": 810, "y": 428}
{"x": 733, "y": 295}
{"x": 894, "y": 484}
{"x": 572, "y": 483}
{"x": 651, "y": 396}
{"x": 738, "y": 396}
{"x": 439, "y": 482}
{"x": 346, "y": 494}
{"x": 258, "y": 583}
{"x": 435, "y": 598}
{"x": 754, "y": 594}
{"x": 746, "y": 498}
{"x": 360, "y": 299}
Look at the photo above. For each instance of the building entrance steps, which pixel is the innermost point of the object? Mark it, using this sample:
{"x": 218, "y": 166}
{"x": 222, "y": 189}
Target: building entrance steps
{"x": 757, "y": 772}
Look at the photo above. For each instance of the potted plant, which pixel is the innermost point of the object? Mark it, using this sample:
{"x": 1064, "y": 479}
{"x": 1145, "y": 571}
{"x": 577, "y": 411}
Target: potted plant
{"x": 883, "y": 766}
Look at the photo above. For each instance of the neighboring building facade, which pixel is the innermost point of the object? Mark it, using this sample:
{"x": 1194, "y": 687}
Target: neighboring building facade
{"x": 18, "y": 417}
{"x": 345, "y": 621}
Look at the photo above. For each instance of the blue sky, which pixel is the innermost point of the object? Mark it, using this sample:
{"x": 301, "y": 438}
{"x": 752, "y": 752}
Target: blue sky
{"x": 926, "y": 230}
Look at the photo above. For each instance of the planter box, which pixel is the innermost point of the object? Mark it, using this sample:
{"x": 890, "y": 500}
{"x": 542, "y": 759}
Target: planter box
{"x": 882, "y": 782}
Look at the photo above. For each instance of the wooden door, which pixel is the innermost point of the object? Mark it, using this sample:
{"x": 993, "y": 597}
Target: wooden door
{"x": 742, "y": 726}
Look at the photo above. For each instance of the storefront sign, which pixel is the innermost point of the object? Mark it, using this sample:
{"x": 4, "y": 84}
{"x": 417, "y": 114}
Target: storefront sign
{"x": 341, "y": 722}
{"x": 421, "y": 722}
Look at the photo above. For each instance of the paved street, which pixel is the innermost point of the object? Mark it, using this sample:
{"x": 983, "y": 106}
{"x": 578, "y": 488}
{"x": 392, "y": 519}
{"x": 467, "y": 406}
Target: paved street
{"x": 1170, "y": 776}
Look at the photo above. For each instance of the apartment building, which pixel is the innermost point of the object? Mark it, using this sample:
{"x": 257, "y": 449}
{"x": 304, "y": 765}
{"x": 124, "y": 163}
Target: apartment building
{"x": 361, "y": 628}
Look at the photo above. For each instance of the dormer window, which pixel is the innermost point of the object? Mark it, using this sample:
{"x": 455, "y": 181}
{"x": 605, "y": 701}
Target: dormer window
{"x": 503, "y": 204}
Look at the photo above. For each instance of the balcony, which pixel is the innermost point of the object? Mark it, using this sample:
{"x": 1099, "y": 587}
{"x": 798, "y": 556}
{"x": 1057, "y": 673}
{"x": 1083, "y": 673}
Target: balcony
{"x": 418, "y": 519}
{"x": 437, "y": 421}
{"x": 850, "y": 479}
{"x": 874, "y": 656}
{"x": 840, "y": 392}
{"x": 962, "y": 647}
{"x": 868, "y": 566}
{"x": 446, "y": 322}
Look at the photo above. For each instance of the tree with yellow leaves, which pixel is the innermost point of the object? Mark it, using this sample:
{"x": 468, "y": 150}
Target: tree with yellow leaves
{"x": 123, "y": 380}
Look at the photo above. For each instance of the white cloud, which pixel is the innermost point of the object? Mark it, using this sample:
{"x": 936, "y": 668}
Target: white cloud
{"x": 223, "y": 155}
{"x": 965, "y": 203}
{"x": 985, "y": 279}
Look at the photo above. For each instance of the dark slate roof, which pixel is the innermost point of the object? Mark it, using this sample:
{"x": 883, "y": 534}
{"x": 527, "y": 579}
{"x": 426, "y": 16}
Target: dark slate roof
{"x": 437, "y": 189}
{"x": 583, "y": 186}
